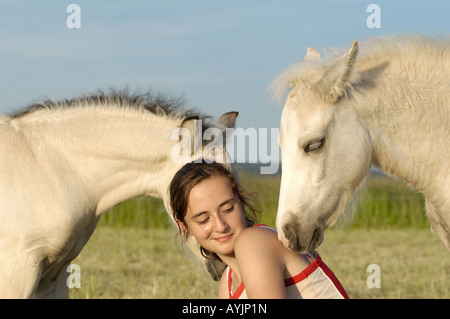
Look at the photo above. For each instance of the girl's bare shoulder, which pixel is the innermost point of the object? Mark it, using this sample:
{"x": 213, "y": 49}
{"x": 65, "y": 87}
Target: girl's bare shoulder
{"x": 257, "y": 237}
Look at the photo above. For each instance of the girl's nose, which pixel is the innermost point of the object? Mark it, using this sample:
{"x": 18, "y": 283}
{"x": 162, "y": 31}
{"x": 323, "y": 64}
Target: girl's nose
{"x": 220, "y": 224}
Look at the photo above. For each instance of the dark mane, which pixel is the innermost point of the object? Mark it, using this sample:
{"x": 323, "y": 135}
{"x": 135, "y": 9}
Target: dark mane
{"x": 148, "y": 102}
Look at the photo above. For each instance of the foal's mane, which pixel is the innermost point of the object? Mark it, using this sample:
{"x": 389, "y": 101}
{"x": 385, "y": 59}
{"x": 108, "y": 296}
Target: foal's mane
{"x": 147, "y": 102}
{"x": 407, "y": 54}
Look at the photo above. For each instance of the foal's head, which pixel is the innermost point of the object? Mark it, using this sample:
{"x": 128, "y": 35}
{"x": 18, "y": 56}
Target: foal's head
{"x": 324, "y": 148}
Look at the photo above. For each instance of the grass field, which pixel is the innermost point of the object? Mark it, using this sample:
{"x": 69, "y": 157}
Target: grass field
{"x": 133, "y": 252}
{"x": 145, "y": 263}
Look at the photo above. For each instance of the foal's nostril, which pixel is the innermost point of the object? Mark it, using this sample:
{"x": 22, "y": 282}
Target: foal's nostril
{"x": 291, "y": 235}
{"x": 316, "y": 239}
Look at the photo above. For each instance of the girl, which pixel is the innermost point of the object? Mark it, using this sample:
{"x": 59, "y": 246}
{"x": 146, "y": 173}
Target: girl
{"x": 209, "y": 204}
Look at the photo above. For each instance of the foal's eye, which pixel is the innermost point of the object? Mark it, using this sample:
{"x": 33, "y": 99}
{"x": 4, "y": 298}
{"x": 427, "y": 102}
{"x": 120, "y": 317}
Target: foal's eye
{"x": 314, "y": 145}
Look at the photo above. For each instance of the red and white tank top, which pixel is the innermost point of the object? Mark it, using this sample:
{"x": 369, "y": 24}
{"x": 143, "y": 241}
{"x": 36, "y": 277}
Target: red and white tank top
{"x": 316, "y": 281}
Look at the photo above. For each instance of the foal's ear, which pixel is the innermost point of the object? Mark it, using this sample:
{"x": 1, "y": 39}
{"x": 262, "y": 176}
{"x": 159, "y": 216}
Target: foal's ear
{"x": 337, "y": 77}
{"x": 227, "y": 120}
{"x": 189, "y": 123}
{"x": 312, "y": 55}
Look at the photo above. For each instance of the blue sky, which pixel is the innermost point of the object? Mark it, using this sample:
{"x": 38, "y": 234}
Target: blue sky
{"x": 220, "y": 55}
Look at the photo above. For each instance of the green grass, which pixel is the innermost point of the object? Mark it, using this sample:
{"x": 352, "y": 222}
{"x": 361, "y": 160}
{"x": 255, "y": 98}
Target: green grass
{"x": 384, "y": 203}
{"x": 389, "y": 203}
{"x": 141, "y": 212}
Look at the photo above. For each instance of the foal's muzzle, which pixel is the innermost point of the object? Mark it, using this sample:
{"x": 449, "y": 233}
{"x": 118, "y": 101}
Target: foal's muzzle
{"x": 302, "y": 240}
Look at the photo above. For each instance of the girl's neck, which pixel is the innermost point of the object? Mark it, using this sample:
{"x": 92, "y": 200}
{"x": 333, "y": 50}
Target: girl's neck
{"x": 231, "y": 261}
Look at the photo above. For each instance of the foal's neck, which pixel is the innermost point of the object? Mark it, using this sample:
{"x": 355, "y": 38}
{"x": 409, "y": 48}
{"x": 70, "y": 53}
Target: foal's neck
{"x": 117, "y": 156}
{"x": 407, "y": 131}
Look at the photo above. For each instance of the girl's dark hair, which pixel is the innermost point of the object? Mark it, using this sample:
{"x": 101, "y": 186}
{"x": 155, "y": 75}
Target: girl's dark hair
{"x": 192, "y": 174}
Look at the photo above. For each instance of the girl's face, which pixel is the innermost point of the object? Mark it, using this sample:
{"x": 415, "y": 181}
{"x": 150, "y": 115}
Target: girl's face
{"x": 215, "y": 215}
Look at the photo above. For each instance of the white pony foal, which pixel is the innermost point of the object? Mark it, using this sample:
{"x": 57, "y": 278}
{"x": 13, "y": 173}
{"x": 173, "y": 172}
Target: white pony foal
{"x": 63, "y": 164}
{"x": 386, "y": 105}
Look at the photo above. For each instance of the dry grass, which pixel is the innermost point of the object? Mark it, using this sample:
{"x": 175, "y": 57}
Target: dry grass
{"x": 145, "y": 263}
{"x": 413, "y": 263}
{"x": 139, "y": 263}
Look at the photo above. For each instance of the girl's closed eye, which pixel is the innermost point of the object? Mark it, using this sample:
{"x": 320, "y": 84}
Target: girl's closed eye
{"x": 204, "y": 221}
{"x": 230, "y": 209}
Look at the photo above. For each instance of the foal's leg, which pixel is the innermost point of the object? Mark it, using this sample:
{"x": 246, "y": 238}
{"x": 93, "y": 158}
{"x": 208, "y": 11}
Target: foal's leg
{"x": 19, "y": 277}
{"x": 54, "y": 288}
{"x": 439, "y": 225}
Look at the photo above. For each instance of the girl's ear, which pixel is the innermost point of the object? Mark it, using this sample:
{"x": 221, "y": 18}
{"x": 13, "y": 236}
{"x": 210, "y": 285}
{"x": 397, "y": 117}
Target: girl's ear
{"x": 183, "y": 226}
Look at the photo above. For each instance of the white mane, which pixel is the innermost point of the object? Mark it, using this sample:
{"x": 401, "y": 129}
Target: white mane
{"x": 409, "y": 56}
{"x": 121, "y": 102}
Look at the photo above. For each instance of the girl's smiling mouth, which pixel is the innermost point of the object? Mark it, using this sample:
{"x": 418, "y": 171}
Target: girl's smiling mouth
{"x": 222, "y": 239}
